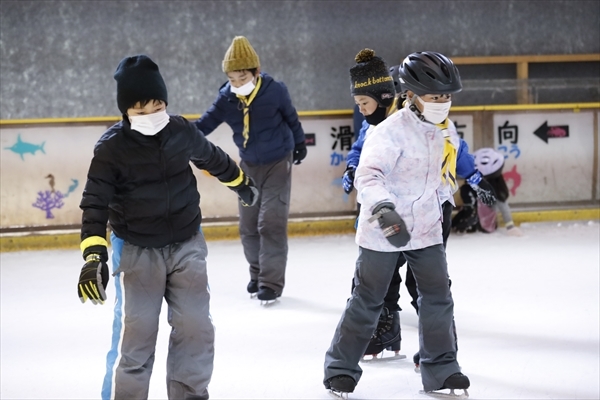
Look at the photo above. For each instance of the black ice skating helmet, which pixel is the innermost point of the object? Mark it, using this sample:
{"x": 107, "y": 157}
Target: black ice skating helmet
{"x": 396, "y": 78}
{"x": 428, "y": 72}
{"x": 489, "y": 162}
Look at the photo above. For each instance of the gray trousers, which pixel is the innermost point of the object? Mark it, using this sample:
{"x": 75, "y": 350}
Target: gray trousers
{"x": 263, "y": 227}
{"x": 372, "y": 276}
{"x": 503, "y": 207}
{"x": 143, "y": 277}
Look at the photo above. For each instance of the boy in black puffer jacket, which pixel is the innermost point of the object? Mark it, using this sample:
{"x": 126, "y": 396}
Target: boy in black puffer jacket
{"x": 141, "y": 182}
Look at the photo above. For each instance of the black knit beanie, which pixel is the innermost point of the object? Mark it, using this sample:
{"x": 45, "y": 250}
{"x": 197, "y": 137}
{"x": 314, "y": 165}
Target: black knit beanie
{"x": 371, "y": 77}
{"x": 138, "y": 79}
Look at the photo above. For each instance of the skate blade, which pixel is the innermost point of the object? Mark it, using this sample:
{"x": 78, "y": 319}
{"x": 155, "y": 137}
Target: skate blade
{"x": 269, "y": 303}
{"x": 451, "y": 395}
{"x": 338, "y": 395}
{"x": 374, "y": 358}
{"x": 253, "y": 295}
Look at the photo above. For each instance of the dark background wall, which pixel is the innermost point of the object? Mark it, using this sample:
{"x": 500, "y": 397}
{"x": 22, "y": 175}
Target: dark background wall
{"x": 57, "y": 57}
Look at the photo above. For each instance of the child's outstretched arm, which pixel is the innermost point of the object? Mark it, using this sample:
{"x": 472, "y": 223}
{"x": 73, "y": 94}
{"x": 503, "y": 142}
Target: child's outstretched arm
{"x": 213, "y": 159}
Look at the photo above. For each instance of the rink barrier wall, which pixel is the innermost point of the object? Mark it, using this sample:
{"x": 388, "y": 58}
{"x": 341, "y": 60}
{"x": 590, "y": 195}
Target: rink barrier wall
{"x": 53, "y": 240}
{"x": 49, "y": 158}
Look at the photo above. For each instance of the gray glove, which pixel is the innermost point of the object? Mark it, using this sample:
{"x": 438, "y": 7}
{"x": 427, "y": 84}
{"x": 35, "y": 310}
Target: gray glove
{"x": 390, "y": 222}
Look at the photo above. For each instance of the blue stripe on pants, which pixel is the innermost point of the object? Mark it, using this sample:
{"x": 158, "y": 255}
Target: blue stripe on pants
{"x": 113, "y": 354}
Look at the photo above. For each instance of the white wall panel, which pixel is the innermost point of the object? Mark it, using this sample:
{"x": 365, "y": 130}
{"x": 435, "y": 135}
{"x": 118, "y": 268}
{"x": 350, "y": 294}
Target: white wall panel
{"x": 557, "y": 169}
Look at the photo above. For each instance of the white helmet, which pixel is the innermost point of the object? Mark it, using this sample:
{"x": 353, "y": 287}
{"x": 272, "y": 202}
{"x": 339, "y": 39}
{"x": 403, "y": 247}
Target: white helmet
{"x": 488, "y": 161}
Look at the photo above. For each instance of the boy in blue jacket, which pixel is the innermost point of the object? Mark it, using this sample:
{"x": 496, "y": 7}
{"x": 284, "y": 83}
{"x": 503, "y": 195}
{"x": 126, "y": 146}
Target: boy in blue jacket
{"x": 269, "y": 136}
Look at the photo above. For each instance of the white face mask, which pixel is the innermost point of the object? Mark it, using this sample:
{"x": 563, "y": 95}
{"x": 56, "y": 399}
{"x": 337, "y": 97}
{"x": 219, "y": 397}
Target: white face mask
{"x": 435, "y": 112}
{"x": 150, "y": 124}
{"x": 243, "y": 90}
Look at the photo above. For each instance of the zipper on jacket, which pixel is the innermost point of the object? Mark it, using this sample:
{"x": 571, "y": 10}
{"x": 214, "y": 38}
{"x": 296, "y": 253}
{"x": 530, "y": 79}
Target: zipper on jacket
{"x": 164, "y": 170}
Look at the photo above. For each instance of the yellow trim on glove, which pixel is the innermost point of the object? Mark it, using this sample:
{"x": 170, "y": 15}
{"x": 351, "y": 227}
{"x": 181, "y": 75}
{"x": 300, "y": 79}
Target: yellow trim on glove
{"x": 92, "y": 241}
{"x": 237, "y": 181}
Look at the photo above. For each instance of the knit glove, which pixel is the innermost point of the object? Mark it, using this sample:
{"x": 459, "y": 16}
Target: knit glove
{"x": 485, "y": 191}
{"x": 94, "y": 274}
{"x": 348, "y": 179}
{"x": 390, "y": 222}
{"x": 299, "y": 153}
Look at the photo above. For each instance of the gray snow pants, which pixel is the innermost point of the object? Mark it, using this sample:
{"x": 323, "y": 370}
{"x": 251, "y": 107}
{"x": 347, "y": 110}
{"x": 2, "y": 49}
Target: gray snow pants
{"x": 503, "y": 207}
{"x": 143, "y": 277}
{"x": 263, "y": 227}
{"x": 436, "y": 337}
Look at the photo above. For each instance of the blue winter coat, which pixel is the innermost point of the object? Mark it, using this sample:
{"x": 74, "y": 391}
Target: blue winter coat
{"x": 465, "y": 162}
{"x": 354, "y": 153}
{"x": 274, "y": 125}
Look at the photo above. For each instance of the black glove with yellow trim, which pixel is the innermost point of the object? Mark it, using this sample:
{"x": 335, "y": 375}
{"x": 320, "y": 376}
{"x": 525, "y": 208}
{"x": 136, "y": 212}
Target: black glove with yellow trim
{"x": 246, "y": 190}
{"x": 94, "y": 274}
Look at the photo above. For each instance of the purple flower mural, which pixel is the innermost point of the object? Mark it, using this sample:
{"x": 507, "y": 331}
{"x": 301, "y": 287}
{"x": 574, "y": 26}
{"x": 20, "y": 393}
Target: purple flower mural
{"x": 48, "y": 200}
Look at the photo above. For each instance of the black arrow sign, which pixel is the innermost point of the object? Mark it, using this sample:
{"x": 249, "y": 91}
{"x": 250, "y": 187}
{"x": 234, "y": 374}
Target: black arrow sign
{"x": 546, "y": 132}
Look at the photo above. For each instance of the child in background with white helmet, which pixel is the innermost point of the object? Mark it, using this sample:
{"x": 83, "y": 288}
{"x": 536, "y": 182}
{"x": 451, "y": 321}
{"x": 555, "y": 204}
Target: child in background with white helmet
{"x": 473, "y": 215}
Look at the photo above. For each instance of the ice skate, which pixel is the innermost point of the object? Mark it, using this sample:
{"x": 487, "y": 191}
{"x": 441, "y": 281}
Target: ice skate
{"x": 417, "y": 361}
{"x": 339, "y": 386}
{"x": 387, "y": 336}
{"x": 252, "y": 288}
{"x": 512, "y": 230}
{"x": 453, "y": 382}
{"x": 267, "y": 296}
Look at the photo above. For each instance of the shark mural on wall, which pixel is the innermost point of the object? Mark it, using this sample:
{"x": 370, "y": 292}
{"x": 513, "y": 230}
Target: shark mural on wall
{"x": 22, "y": 147}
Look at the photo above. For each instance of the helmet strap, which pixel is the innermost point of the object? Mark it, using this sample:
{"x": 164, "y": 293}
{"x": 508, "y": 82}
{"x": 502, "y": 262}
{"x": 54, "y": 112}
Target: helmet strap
{"x": 413, "y": 107}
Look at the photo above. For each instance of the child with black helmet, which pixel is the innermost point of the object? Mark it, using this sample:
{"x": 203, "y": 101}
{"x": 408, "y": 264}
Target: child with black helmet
{"x": 401, "y": 186}
{"x": 388, "y": 332}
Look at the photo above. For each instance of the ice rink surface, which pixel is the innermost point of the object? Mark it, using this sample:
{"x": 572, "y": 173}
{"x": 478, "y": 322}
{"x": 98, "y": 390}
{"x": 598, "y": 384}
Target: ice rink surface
{"x": 526, "y": 310}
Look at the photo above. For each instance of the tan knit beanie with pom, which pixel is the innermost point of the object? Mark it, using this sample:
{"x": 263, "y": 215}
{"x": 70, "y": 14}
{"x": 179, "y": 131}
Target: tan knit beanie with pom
{"x": 240, "y": 55}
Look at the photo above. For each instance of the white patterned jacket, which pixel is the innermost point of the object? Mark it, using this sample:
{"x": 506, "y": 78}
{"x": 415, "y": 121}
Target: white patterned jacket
{"x": 401, "y": 163}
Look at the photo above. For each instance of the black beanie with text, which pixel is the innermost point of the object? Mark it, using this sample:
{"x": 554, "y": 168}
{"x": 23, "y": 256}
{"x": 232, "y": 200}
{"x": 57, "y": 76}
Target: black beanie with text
{"x": 371, "y": 77}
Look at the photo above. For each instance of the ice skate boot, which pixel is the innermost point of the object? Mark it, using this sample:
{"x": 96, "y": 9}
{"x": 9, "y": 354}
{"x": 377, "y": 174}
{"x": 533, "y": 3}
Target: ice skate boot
{"x": 512, "y": 230}
{"x": 339, "y": 386}
{"x": 387, "y": 336}
{"x": 454, "y": 381}
{"x": 267, "y": 295}
{"x": 417, "y": 361}
{"x": 252, "y": 288}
